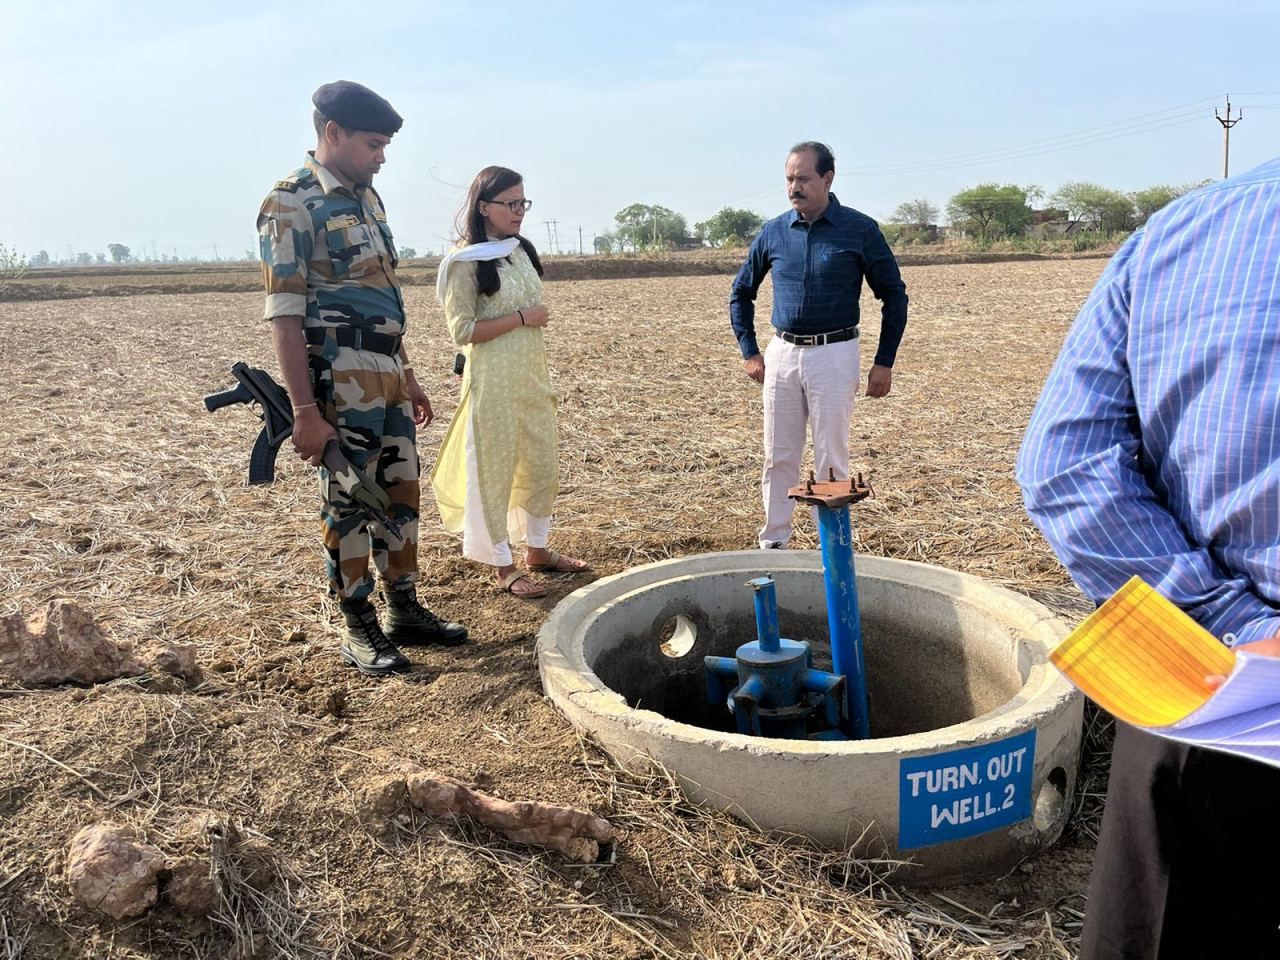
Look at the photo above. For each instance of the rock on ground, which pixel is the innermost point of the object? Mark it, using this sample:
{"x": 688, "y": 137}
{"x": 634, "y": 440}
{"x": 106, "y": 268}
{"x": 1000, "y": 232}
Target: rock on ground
{"x": 175, "y": 659}
{"x": 575, "y": 833}
{"x": 111, "y": 871}
{"x": 61, "y": 644}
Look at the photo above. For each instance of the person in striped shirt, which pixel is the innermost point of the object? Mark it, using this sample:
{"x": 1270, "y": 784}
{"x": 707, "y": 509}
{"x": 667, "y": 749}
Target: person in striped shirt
{"x": 1155, "y": 450}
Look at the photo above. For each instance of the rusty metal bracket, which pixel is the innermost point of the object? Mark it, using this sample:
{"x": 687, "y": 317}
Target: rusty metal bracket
{"x": 831, "y": 492}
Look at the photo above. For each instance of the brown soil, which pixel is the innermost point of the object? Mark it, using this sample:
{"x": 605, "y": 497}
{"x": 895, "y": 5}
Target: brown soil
{"x": 127, "y": 497}
{"x": 141, "y": 279}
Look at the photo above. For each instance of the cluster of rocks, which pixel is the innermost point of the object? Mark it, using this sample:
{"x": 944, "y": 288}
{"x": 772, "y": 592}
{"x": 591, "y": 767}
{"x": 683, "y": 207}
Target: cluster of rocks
{"x": 110, "y": 869}
{"x": 63, "y": 644}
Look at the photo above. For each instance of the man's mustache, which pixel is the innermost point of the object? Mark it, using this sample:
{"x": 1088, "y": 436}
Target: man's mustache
{"x": 797, "y": 195}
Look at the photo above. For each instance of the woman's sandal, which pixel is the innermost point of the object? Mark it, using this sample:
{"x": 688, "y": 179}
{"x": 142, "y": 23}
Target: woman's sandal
{"x": 509, "y": 582}
{"x": 559, "y": 563}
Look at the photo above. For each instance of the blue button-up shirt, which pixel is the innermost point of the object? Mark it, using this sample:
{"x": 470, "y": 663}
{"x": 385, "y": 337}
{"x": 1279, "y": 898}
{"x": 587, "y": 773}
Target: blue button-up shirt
{"x": 817, "y": 278}
{"x": 1155, "y": 447}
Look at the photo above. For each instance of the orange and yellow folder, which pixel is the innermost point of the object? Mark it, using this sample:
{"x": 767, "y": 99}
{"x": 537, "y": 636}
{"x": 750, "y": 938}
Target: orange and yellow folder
{"x": 1141, "y": 658}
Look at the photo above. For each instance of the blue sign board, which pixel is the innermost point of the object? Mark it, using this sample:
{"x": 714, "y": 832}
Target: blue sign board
{"x": 961, "y": 793}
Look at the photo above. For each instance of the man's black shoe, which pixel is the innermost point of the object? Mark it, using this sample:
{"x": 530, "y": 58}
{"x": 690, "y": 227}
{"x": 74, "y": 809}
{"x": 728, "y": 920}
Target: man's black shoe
{"x": 409, "y": 623}
{"x": 365, "y": 646}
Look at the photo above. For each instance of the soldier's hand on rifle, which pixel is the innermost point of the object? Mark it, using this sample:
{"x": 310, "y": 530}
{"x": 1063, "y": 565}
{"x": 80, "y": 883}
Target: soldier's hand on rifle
{"x": 422, "y": 412}
{"x": 311, "y": 432}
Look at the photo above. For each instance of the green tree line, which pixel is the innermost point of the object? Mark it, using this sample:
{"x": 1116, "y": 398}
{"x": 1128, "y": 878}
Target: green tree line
{"x": 991, "y": 211}
{"x": 988, "y": 211}
{"x": 649, "y": 226}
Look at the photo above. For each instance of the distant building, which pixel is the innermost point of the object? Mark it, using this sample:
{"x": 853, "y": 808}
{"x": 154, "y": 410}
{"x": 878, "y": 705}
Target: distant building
{"x": 688, "y": 243}
{"x": 1060, "y": 228}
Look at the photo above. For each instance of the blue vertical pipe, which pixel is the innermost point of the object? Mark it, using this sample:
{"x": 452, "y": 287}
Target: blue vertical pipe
{"x": 766, "y": 613}
{"x": 842, "y": 614}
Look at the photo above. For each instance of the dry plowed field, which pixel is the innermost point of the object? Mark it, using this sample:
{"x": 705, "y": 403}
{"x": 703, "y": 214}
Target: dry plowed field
{"x": 125, "y": 496}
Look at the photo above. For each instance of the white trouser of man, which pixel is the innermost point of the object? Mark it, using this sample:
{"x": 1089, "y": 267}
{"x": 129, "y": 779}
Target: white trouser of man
{"x": 816, "y": 384}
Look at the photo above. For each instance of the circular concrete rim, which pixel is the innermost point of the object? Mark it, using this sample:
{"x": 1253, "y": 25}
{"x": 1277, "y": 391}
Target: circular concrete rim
{"x": 570, "y": 682}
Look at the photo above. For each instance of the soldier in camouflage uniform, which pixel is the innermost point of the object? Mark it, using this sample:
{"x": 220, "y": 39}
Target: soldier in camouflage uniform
{"x": 337, "y": 314}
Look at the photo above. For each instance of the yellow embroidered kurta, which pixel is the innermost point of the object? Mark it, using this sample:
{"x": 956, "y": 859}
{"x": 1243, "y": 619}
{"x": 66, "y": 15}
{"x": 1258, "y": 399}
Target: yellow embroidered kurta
{"x": 507, "y": 408}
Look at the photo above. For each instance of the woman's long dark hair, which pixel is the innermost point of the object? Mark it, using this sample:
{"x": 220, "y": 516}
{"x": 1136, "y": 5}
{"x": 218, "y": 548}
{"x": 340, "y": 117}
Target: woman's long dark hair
{"x": 488, "y": 183}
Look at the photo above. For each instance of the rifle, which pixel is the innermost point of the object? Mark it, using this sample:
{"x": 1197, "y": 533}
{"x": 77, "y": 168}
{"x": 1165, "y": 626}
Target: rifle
{"x": 256, "y": 386}
{"x": 276, "y": 414}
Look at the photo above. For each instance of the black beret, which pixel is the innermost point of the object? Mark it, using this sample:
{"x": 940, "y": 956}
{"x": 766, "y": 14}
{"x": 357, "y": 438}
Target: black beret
{"x": 356, "y": 107}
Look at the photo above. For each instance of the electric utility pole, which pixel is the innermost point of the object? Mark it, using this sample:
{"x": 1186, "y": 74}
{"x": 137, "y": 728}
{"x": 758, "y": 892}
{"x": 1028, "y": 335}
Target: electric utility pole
{"x": 1227, "y": 123}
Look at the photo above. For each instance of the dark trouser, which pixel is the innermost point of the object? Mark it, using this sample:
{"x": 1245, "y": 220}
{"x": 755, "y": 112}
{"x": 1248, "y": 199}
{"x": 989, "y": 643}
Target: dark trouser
{"x": 1188, "y": 859}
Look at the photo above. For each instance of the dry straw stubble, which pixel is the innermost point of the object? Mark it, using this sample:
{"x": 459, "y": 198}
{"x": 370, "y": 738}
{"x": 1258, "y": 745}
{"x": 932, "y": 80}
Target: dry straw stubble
{"x": 130, "y": 499}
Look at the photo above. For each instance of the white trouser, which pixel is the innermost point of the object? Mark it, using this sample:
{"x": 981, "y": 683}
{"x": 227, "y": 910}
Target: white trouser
{"x": 477, "y": 543}
{"x": 815, "y": 384}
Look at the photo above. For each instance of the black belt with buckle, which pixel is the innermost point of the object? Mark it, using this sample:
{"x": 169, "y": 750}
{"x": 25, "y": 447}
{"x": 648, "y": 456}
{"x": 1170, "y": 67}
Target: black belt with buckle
{"x": 818, "y": 339}
{"x": 355, "y": 338}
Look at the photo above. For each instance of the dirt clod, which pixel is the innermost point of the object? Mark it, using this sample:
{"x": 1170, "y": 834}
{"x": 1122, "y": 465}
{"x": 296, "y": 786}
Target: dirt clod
{"x": 191, "y": 888}
{"x": 381, "y": 798}
{"x": 176, "y": 659}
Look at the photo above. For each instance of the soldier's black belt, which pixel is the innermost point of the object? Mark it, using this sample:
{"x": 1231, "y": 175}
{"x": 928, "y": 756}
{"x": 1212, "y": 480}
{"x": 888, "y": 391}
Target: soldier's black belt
{"x": 355, "y": 338}
{"x": 818, "y": 339}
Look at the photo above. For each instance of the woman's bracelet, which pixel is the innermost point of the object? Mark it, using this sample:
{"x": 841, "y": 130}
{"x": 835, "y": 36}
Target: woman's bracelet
{"x": 521, "y": 312}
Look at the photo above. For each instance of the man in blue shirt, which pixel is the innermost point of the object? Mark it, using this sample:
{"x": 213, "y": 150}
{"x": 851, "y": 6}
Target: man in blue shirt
{"x": 819, "y": 253}
{"x": 1155, "y": 450}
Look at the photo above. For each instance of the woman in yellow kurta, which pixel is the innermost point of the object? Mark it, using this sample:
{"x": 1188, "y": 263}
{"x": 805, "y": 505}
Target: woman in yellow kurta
{"x": 496, "y": 476}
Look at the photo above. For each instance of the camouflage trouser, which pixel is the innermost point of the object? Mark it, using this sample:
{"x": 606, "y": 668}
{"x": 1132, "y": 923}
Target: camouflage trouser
{"x": 364, "y": 395}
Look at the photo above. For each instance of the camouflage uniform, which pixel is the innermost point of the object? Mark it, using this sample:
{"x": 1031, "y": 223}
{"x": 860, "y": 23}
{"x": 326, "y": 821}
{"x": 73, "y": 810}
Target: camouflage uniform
{"x": 329, "y": 257}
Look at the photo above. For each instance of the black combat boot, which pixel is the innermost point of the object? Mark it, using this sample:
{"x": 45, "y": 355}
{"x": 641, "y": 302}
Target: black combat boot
{"x": 409, "y": 623}
{"x": 365, "y": 646}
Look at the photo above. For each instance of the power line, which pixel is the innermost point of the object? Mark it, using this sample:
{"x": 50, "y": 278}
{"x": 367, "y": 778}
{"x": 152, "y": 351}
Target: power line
{"x": 1154, "y": 120}
{"x": 923, "y": 166}
{"x": 930, "y": 166}
{"x": 1071, "y": 138}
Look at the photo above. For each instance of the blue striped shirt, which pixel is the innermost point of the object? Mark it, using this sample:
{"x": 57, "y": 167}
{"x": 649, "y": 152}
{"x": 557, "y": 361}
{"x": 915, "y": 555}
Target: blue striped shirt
{"x": 1155, "y": 446}
{"x": 817, "y": 278}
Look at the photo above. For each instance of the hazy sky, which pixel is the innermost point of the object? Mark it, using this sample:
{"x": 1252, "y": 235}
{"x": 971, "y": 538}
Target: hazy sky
{"x": 163, "y": 124}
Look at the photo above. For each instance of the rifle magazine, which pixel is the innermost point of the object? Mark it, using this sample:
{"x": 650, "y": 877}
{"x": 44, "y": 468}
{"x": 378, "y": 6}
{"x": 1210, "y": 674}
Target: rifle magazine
{"x": 262, "y": 461}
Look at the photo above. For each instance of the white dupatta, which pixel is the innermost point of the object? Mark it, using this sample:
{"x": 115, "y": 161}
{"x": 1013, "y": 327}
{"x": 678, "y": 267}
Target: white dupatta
{"x": 489, "y": 250}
